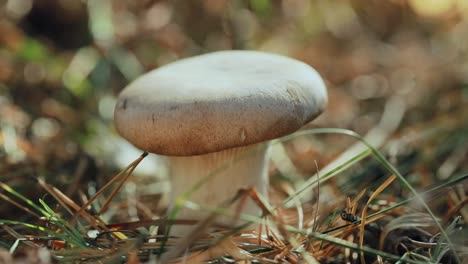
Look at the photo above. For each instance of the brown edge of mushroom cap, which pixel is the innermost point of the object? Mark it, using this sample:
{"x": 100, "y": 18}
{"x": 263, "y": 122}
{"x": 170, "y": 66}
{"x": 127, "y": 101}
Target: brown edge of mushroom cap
{"x": 217, "y": 101}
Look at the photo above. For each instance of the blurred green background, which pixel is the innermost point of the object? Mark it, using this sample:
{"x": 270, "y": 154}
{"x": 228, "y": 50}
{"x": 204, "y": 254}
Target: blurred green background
{"x": 396, "y": 71}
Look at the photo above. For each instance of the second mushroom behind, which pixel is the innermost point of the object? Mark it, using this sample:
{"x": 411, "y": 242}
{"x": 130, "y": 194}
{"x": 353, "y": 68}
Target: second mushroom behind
{"x": 213, "y": 116}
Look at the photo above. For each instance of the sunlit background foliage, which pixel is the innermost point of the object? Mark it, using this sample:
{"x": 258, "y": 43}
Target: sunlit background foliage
{"x": 396, "y": 68}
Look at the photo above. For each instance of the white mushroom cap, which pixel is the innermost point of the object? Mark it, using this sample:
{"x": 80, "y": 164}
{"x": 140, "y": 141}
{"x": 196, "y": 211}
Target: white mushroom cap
{"x": 218, "y": 101}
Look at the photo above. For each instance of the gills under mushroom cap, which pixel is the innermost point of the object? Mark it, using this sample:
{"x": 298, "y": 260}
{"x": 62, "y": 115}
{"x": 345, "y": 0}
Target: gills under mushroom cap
{"x": 217, "y": 101}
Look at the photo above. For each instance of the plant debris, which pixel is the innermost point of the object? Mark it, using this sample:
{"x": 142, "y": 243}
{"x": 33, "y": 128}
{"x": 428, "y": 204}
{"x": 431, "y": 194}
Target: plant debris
{"x": 72, "y": 191}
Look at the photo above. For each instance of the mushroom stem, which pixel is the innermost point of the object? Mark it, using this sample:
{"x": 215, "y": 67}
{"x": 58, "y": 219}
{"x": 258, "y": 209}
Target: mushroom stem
{"x": 225, "y": 173}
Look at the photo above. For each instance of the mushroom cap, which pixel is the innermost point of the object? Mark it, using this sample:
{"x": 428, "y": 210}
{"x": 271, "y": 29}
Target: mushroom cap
{"x": 217, "y": 101}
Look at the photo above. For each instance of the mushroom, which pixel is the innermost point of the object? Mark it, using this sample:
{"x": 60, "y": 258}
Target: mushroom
{"x": 215, "y": 114}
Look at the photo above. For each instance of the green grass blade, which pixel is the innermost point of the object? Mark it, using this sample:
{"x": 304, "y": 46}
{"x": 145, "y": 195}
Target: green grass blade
{"x": 387, "y": 165}
{"x": 23, "y": 198}
{"x": 328, "y": 175}
{"x": 454, "y": 181}
{"x": 74, "y": 234}
{"x": 350, "y": 245}
{"x": 53, "y": 233}
{"x": 441, "y": 248}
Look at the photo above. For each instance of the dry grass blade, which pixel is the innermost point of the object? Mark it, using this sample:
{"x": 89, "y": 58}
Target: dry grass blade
{"x": 225, "y": 247}
{"x": 386, "y": 164}
{"x": 132, "y": 167}
{"x": 23, "y": 198}
{"x": 391, "y": 117}
{"x": 353, "y": 205}
{"x": 8, "y": 199}
{"x": 459, "y": 196}
{"x": 114, "y": 179}
{"x": 185, "y": 242}
{"x": 382, "y": 187}
{"x": 63, "y": 200}
{"x": 69, "y": 204}
{"x": 457, "y": 208}
{"x": 198, "y": 230}
{"x": 18, "y": 237}
{"x": 413, "y": 220}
